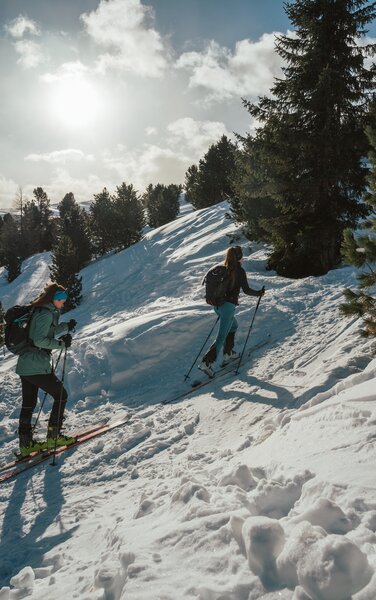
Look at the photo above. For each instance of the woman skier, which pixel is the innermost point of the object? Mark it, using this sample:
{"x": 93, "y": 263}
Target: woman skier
{"x": 236, "y": 279}
{"x": 34, "y": 366}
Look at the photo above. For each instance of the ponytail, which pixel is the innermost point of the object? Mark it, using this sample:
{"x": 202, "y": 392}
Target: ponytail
{"x": 233, "y": 255}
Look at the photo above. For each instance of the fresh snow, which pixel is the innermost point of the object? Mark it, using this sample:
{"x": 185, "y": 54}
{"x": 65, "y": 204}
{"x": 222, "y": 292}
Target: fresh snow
{"x": 257, "y": 486}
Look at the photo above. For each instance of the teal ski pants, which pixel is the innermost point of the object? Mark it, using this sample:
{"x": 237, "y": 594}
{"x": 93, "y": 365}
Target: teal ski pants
{"x": 227, "y": 323}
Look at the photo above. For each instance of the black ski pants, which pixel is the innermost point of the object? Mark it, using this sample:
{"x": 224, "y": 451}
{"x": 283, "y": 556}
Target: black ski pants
{"x": 30, "y": 386}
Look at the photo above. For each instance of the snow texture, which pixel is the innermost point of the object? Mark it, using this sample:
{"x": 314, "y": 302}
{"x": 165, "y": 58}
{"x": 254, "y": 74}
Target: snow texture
{"x": 259, "y": 486}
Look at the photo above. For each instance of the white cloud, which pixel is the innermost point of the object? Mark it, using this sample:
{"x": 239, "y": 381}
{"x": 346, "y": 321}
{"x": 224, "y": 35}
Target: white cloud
{"x": 186, "y": 142}
{"x": 60, "y": 156}
{"x": 60, "y": 182}
{"x": 120, "y": 27}
{"x": 83, "y": 188}
{"x": 31, "y": 54}
{"x": 151, "y": 164}
{"x": 67, "y": 71}
{"x": 248, "y": 71}
{"x": 151, "y": 131}
{"x": 197, "y": 136}
{"x": 8, "y": 190}
{"x": 21, "y": 25}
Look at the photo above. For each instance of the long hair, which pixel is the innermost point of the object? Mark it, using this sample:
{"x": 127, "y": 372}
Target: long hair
{"x": 47, "y": 295}
{"x": 232, "y": 257}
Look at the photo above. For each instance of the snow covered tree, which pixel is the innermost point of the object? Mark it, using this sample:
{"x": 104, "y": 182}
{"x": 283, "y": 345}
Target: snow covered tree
{"x": 360, "y": 251}
{"x": 64, "y": 271}
{"x": 212, "y": 181}
{"x": 302, "y": 174}
{"x": 162, "y": 203}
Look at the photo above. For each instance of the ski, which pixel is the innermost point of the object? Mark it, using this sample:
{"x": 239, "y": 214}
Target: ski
{"x": 41, "y": 457}
{"x": 23, "y": 459}
{"x": 229, "y": 368}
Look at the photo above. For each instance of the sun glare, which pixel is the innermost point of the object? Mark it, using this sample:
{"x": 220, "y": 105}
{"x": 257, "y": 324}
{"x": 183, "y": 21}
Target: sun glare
{"x": 75, "y": 102}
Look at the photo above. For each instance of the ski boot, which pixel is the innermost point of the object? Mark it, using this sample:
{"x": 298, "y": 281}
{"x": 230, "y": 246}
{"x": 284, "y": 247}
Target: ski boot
{"x": 55, "y": 439}
{"x": 232, "y": 355}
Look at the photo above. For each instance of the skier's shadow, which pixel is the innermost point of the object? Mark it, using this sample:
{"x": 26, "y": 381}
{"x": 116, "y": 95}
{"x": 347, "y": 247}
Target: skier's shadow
{"x": 281, "y": 397}
{"x": 276, "y": 395}
{"x": 20, "y": 547}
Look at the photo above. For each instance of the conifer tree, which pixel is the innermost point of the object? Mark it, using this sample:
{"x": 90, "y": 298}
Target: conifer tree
{"x": 102, "y": 223}
{"x": 73, "y": 223}
{"x": 30, "y": 229}
{"x": 129, "y": 216}
{"x": 162, "y": 203}
{"x": 360, "y": 251}
{"x": 64, "y": 271}
{"x": 38, "y": 228}
{"x": 212, "y": 181}
{"x": 19, "y": 206}
{"x": 10, "y": 245}
{"x": 302, "y": 174}
{"x": 46, "y": 229}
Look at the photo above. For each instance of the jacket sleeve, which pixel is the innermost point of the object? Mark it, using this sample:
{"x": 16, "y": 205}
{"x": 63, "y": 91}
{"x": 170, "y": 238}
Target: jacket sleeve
{"x": 244, "y": 285}
{"x": 40, "y": 339}
{"x": 61, "y": 328}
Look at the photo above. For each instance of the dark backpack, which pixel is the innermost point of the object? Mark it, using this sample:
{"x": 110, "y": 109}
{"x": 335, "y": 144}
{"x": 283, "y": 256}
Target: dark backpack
{"x": 17, "y": 325}
{"x": 216, "y": 283}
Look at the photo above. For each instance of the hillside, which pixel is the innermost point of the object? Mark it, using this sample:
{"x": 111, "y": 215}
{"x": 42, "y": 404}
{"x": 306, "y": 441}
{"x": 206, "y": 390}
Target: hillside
{"x": 258, "y": 486}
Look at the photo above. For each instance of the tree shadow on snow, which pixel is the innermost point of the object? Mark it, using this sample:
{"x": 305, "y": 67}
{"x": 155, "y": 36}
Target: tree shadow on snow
{"x": 20, "y": 547}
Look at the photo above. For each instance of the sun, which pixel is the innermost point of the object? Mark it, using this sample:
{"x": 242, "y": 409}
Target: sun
{"x": 75, "y": 102}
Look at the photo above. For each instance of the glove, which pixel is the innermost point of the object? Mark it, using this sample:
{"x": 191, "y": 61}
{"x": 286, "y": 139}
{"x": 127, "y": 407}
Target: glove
{"x": 67, "y": 340}
{"x": 71, "y": 324}
{"x": 261, "y": 292}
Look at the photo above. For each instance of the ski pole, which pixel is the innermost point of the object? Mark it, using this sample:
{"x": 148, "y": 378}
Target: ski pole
{"x": 60, "y": 402}
{"x": 249, "y": 331}
{"x": 45, "y": 395}
{"x": 202, "y": 347}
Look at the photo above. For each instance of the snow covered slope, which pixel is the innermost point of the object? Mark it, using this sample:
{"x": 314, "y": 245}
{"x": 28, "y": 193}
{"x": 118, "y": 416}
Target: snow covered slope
{"x": 259, "y": 486}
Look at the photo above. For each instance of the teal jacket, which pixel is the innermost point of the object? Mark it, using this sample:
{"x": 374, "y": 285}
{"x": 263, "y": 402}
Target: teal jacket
{"x": 44, "y": 326}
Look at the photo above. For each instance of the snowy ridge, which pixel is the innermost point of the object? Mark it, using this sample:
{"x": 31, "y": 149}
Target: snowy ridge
{"x": 260, "y": 486}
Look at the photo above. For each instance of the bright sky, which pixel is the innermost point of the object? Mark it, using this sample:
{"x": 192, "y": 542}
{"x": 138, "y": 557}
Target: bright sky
{"x": 96, "y": 92}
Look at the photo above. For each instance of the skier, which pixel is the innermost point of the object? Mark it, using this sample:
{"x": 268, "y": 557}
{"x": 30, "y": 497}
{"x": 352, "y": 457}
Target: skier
{"x": 228, "y": 324}
{"x": 34, "y": 366}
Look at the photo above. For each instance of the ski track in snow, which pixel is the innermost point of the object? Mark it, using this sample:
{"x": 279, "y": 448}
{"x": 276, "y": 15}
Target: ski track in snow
{"x": 259, "y": 486}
